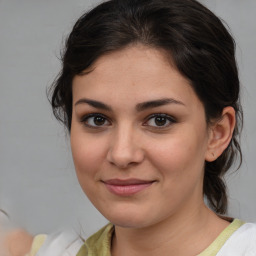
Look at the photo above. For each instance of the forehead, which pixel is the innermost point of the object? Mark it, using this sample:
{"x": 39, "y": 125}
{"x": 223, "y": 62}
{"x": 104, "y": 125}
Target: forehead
{"x": 136, "y": 73}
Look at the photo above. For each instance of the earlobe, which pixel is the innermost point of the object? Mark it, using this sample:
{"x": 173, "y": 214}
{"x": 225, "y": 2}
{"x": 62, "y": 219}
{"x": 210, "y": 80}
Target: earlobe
{"x": 220, "y": 134}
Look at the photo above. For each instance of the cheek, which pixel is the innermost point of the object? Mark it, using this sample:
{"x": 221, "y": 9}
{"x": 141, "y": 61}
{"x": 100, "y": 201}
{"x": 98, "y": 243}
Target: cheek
{"x": 179, "y": 155}
{"x": 88, "y": 154}
{"x": 88, "y": 157}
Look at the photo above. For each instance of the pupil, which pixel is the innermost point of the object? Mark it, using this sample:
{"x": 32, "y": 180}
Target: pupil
{"x": 160, "y": 121}
{"x": 98, "y": 120}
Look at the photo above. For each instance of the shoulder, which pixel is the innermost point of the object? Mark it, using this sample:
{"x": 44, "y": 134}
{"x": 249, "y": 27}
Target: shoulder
{"x": 242, "y": 242}
{"x": 99, "y": 243}
{"x": 70, "y": 243}
{"x": 103, "y": 235}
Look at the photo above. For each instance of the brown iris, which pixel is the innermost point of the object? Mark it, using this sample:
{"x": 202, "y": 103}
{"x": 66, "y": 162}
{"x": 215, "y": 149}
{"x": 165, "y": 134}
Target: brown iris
{"x": 99, "y": 120}
{"x": 160, "y": 121}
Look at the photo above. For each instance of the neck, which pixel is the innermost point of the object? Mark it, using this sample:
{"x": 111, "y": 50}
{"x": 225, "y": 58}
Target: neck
{"x": 181, "y": 234}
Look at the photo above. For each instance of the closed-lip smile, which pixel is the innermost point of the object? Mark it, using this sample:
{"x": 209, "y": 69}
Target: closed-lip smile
{"x": 127, "y": 187}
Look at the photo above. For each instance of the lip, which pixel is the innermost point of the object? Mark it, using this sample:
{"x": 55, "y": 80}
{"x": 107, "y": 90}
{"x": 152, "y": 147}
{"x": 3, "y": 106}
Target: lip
{"x": 127, "y": 187}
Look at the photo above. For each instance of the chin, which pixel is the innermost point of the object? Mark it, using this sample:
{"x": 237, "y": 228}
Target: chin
{"x": 128, "y": 223}
{"x": 130, "y": 218}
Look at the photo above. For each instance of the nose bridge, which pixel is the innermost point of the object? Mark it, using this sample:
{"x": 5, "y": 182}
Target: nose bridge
{"x": 124, "y": 137}
{"x": 124, "y": 148}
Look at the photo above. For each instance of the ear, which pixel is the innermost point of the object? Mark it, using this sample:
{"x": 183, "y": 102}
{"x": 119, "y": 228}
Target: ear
{"x": 220, "y": 134}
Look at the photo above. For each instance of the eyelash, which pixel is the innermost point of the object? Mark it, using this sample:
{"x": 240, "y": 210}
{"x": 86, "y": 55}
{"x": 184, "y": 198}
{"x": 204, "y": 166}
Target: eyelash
{"x": 165, "y": 118}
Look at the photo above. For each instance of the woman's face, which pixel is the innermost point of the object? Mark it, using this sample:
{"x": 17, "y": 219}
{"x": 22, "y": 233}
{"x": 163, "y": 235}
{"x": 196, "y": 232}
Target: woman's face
{"x": 139, "y": 138}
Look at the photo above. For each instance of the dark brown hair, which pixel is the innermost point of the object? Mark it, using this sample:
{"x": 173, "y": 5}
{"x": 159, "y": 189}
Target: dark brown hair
{"x": 196, "y": 41}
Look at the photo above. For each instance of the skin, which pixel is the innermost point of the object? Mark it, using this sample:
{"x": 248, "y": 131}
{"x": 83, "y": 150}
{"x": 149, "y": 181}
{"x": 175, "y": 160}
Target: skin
{"x": 128, "y": 143}
{"x": 17, "y": 243}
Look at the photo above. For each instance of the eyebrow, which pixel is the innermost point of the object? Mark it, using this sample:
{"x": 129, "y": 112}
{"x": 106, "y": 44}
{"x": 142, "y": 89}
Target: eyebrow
{"x": 94, "y": 103}
{"x": 157, "y": 103}
{"x": 139, "y": 107}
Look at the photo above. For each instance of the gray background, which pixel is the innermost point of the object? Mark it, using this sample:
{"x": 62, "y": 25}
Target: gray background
{"x": 38, "y": 186}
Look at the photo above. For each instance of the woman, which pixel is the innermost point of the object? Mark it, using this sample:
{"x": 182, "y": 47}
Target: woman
{"x": 149, "y": 92}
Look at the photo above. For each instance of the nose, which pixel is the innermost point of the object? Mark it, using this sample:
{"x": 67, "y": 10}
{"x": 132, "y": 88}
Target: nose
{"x": 124, "y": 149}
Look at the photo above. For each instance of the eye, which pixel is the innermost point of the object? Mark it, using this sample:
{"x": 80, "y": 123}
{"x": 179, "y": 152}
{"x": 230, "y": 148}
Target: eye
{"x": 160, "y": 121}
{"x": 95, "y": 120}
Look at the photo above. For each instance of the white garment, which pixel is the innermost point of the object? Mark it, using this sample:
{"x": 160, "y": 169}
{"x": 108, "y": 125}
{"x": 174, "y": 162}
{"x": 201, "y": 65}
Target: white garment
{"x": 241, "y": 243}
{"x": 61, "y": 244}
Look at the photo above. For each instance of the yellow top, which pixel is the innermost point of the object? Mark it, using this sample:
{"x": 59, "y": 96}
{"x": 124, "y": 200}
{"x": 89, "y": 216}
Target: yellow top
{"x": 37, "y": 243}
{"x": 100, "y": 242}
{"x": 216, "y": 245}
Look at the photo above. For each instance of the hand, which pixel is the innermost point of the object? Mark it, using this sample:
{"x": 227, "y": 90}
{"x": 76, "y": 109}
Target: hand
{"x": 17, "y": 243}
